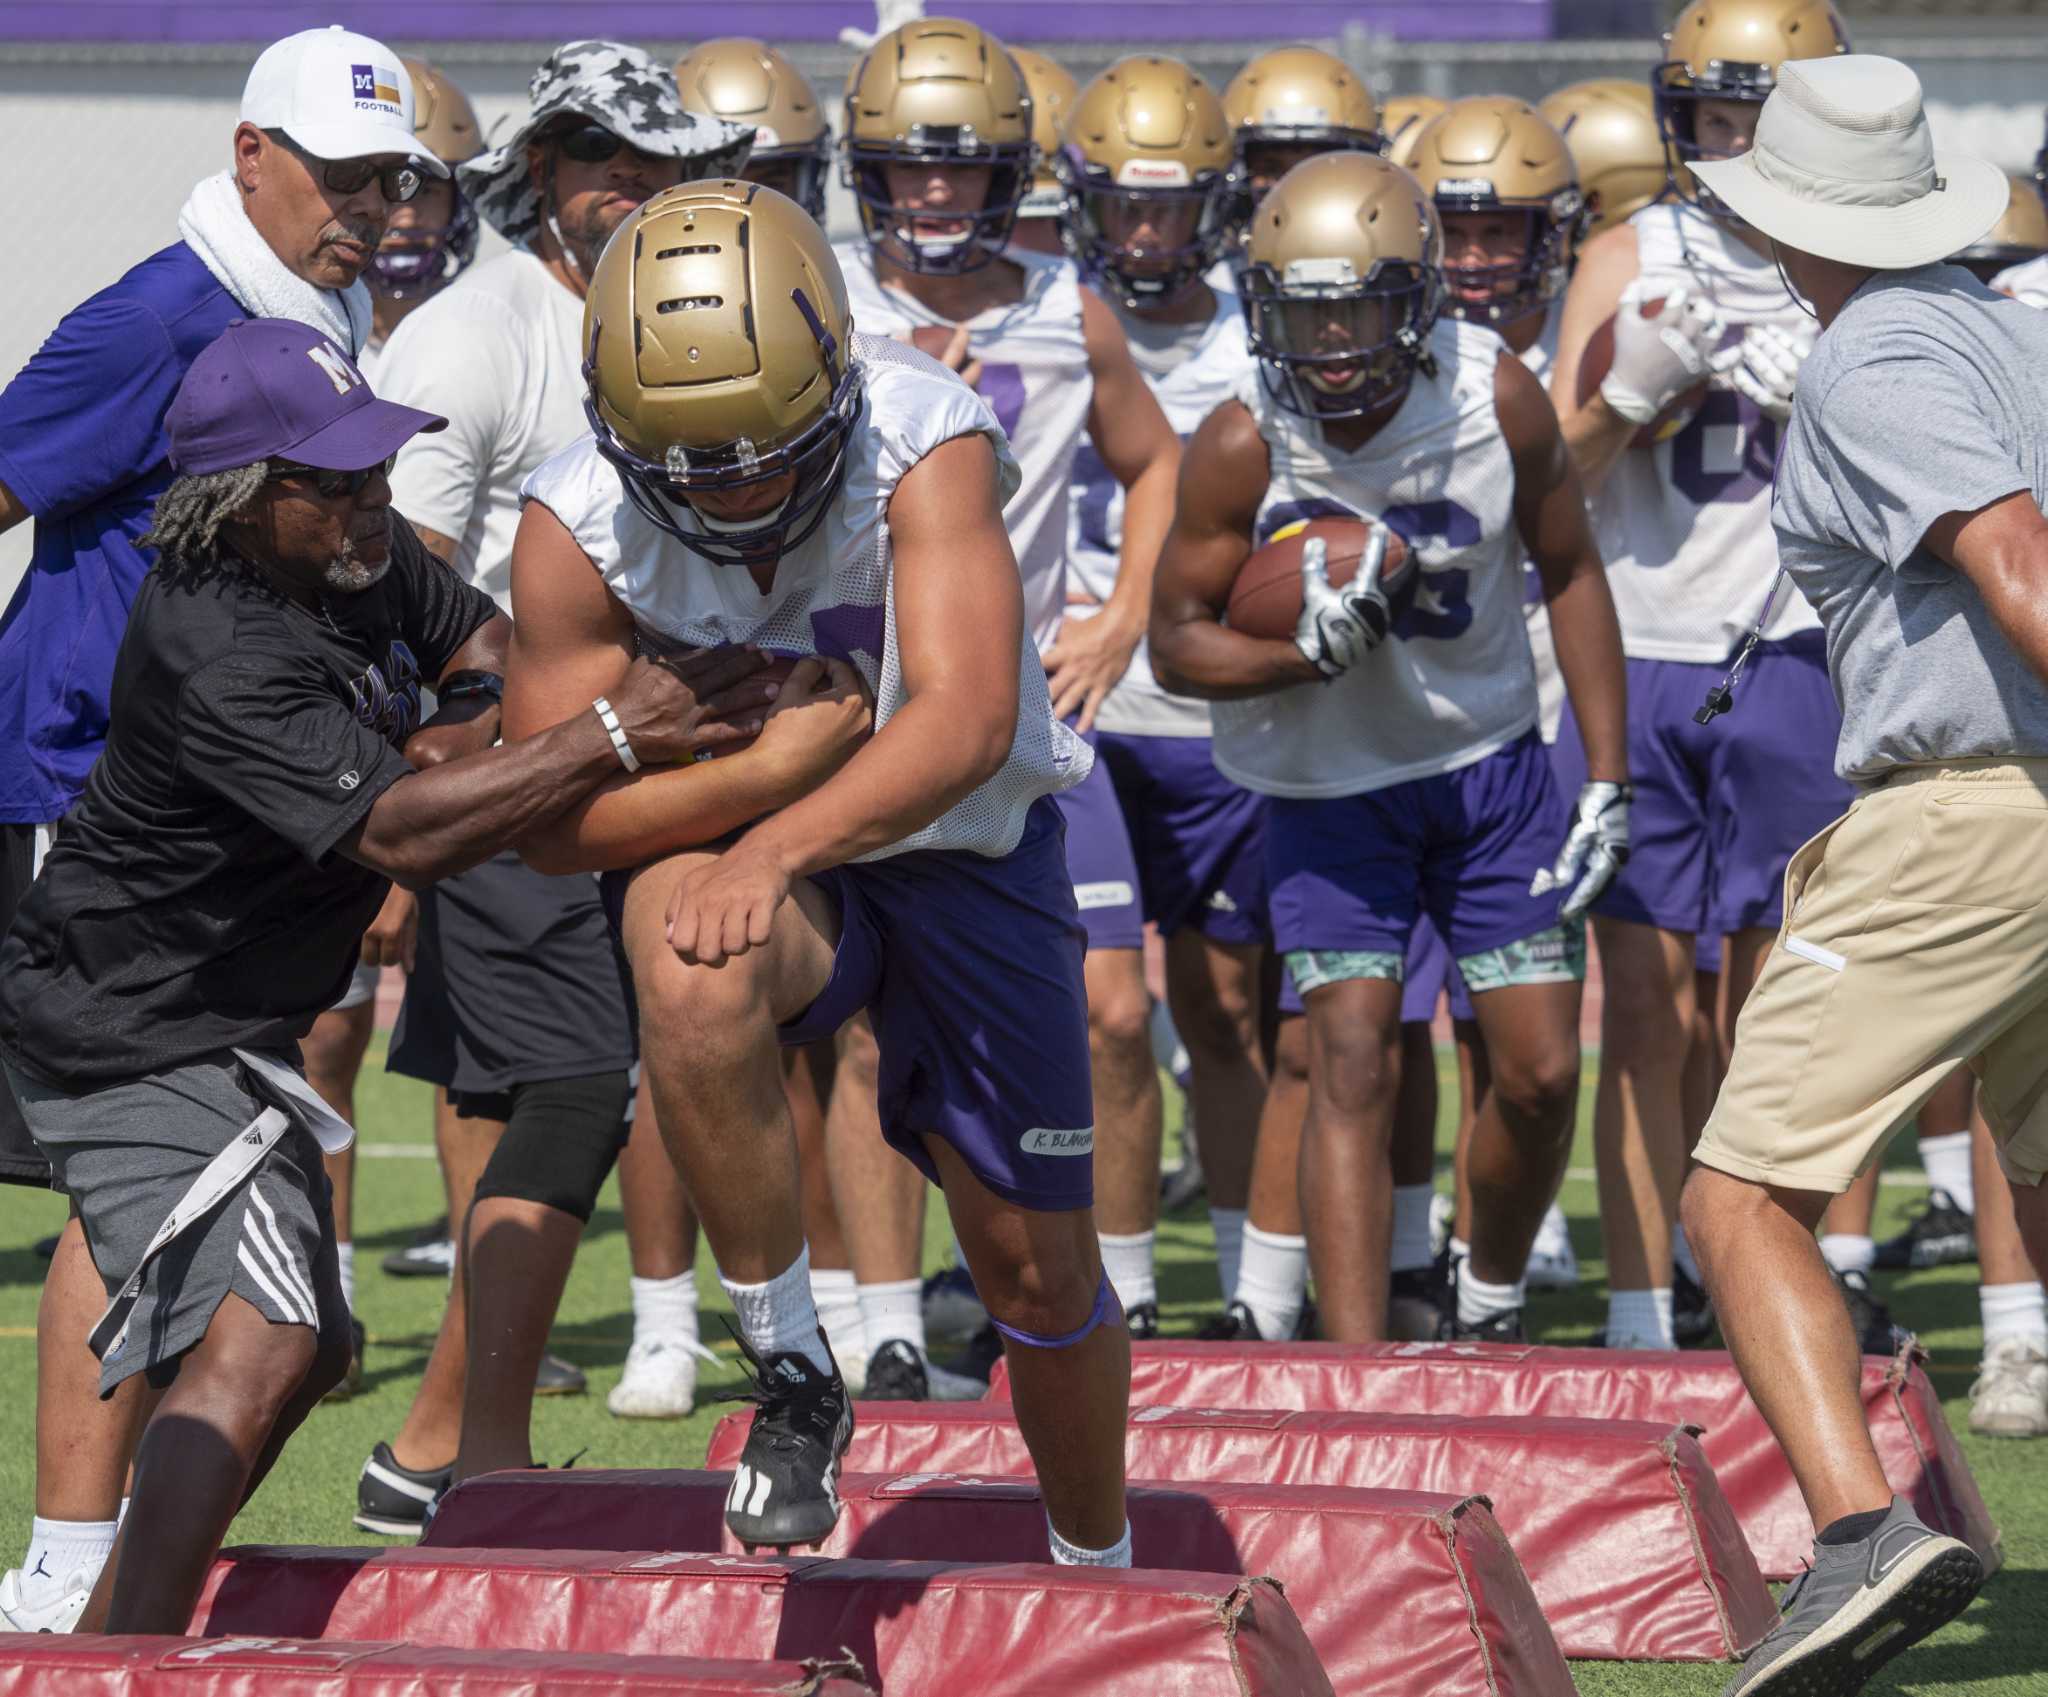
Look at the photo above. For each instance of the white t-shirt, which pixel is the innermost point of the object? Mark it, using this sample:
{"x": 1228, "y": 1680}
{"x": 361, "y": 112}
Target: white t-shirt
{"x": 496, "y": 354}
{"x": 2026, "y": 281}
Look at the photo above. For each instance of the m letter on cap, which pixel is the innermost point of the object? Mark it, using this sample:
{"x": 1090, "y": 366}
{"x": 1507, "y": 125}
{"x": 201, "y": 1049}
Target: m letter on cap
{"x": 371, "y": 83}
{"x": 339, "y": 372}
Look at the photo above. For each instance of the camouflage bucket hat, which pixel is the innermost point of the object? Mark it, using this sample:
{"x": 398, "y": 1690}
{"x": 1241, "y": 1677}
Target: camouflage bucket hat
{"x": 617, "y": 86}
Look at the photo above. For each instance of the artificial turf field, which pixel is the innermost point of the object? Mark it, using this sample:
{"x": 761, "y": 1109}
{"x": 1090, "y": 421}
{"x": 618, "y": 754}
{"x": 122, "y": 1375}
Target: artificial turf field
{"x": 2000, "y": 1646}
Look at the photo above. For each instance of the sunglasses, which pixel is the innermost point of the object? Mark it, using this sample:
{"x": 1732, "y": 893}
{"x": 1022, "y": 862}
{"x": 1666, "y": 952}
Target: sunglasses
{"x": 351, "y": 176}
{"x": 590, "y": 144}
{"x": 332, "y": 484}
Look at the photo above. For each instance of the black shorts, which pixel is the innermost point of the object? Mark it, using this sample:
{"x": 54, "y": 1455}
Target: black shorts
{"x": 21, "y": 1162}
{"x": 517, "y": 981}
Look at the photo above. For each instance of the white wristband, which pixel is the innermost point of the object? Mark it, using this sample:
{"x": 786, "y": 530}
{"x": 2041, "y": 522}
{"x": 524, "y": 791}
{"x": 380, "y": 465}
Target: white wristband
{"x": 610, "y": 721}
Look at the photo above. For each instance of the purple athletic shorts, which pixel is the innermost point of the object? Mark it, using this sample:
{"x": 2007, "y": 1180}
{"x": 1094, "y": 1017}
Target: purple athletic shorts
{"x": 1426, "y": 978}
{"x": 970, "y": 969}
{"x": 1198, "y": 839}
{"x": 1353, "y": 873}
{"x": 1102, "y": 870}
{"x": 1720, "y": 808}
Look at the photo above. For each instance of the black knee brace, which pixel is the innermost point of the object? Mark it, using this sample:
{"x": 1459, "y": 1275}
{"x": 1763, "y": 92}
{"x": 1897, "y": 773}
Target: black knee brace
{"x": 561, "y": 1140}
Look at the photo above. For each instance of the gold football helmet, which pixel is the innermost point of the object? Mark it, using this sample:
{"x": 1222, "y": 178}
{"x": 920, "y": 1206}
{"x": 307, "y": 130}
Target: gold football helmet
{"x": 1494, "y": 154}
{"x": 1148, "y": 160}
{"x": 941, "y": 95}
{"x": 415, "y": 260}
{"x": 749, "y": 82}
{"x": 1343, "y": 284}
{"x": 1053, "y": 91}
{"x": 1610, "y": 125}
{"x": 1402, "y": 119}
{"x": 1291, "y": 103}
{"x": 2021, "y": 235}
{"x": 716, "y": 340}
{"x": 1730, "y": 50}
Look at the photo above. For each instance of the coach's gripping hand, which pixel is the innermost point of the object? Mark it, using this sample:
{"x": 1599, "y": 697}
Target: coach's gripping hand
{"x": 1597, "y": 843}
{"x": 1340, "y": 627}
{"x": 681, "y": 706}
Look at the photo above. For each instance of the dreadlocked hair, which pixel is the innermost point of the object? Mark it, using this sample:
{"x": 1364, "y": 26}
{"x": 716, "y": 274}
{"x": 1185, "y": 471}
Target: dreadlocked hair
{"x": 189, "y": 515}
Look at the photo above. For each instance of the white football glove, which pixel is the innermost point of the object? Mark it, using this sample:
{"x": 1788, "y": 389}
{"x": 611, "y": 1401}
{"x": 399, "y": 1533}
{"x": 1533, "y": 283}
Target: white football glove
{"x": 1657, "y": 359}
{"x": 1596, "y": 844}
{"x": 1768, "y": 365}
{"x": 1340, "y": 627}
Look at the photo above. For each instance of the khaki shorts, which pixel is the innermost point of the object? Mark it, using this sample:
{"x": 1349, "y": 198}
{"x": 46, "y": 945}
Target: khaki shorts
{"x": 1915, "y": 937}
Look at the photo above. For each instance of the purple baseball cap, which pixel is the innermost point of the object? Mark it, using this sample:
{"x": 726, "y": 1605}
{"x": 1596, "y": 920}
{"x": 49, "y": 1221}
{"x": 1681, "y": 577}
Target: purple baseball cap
{"x": 273, "y": 388}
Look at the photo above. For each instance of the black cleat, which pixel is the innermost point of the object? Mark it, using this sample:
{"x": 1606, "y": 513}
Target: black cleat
{"x": 1236, "y": 1324}
{"x": 1875, "y": 1333}
{"x": 1417, "y": 1301}
{"x": 978, "y": 1359}
{"x": 1939, "y": 1235}
{"x": 430, "y": 1255}
{"x": 559, "y": 1378}
{"x": 1142, "y": 1322}
{"x": 1692, "y": 1311}
{"x": 785, "y": 1488}
{"x": 395, "y": 1500}
{"x": 896, "y": 1373}
{"x": 1502, "y": 1328}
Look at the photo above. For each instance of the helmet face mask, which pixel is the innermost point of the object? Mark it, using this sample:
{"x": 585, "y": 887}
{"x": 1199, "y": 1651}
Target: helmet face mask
{"x": 1053, "y": 91}
{"x": 939, "y": 241}
{"x": 414, "y": 261}
{"x": 717, "y": 368}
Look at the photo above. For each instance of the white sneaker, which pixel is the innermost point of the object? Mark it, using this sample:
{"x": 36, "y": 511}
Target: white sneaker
{"x": 1552, "y": 1263}
{"x": 1443, "y": 1210}
{"x": 59, "y": 1614}
{"x": 2010, "y": 1397}
{"x": 660, "y": 1381}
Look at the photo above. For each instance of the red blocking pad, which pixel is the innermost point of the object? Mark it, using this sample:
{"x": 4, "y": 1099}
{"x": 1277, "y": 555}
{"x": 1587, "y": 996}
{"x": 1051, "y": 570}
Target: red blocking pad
{"x": 1695, "y": 1387}
{"x": 1632, "y": 1550}
{"x": 1402, "y": 1591}
{"x": 45, "y": 1665}
{"x": 922, "y": 1629}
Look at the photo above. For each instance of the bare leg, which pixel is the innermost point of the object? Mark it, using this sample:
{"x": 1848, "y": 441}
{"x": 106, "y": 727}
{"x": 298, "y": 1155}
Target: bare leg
{"x": 1212, "y": 990}
{"x": 877, "y": 1195}
{"x": 82, "y": 1444}
{"x": 1275, "y": 1198}
{"x": 1347, "y": 1194}
{"x": 1412, "y": 1153}
{"x": 661, "y": 1227}
{"x": 333, "y": 1052}
{"x": 1040, "y": 1273}
{"x": 1789, "y": 1333}
{"x": 2002, "y": 1257}
{"x": 1129, "y": 1114}
{"x": 807, "y": 1074}
{"x": 1638, "y": 1112}
{"x": 1706, "y": 1057}
{"x": 518, "y": 1254}
{"x": 1475, "y": 1078}
{"x": 1522, "y": 1136}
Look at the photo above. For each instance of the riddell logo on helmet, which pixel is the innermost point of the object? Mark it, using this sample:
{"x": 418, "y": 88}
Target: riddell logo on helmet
{"x": 374, "y": 86}
{"x": 1156, "y": 173}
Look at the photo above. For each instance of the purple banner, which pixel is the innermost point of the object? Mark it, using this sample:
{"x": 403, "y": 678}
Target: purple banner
{"x": 1163, "y": 21}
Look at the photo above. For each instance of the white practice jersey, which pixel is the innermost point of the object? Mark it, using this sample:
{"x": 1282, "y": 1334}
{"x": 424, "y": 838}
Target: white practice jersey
{"x": 835, "y": 593}
{"x": 1541, "y": 359}
{"x": 1685, "y": 527}
{"x": 1207, "y": 366}
{"x": 1036, "y": 378}
{"x": 2027, "y": 281}
{"x": 1453, "y": 681}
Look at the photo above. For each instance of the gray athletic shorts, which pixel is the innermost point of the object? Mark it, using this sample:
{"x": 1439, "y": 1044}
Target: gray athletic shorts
{"x": 128, "y": 1152}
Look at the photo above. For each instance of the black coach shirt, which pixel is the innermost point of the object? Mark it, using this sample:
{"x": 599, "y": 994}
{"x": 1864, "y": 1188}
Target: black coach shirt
{"x": 192, "y": 900}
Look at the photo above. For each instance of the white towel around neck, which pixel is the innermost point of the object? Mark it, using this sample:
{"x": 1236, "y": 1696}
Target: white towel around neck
{"x": 216, "y": 226}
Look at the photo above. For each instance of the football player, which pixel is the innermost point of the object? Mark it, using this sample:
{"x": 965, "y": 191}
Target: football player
{"x": 759, "y": 474}
{"x": 745, "y": 81}
{"x": 1288, "y": 105}
{"x": 1623, "y": 161}
{"x": 1396, "y": 733}
{"x": 1147, "y": 166}
{"x": 1676, "y": 444}
{"x": 1052, "y": 89}
{"x": 1402, "y": 117}
{"x": 2013, "y": 258}
{"x": 939, "y": 155}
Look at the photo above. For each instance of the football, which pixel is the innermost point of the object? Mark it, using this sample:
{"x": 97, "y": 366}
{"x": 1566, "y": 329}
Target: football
{"x": 1266, "y": 598}
{"x": 932, "y": 339}
{"x": 1598, "y": 359}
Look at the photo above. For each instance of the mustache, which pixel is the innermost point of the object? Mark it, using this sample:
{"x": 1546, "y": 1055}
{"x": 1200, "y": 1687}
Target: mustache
{"x": 363, "y": 232}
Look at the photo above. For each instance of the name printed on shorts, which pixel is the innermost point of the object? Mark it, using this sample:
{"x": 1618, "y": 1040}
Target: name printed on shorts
{"x": 1044, "y": 1140}
{"x": 1111, "y": 892}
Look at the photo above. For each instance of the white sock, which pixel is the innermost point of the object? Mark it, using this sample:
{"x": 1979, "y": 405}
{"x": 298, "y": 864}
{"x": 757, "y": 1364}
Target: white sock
{"x": 1848, "y": 1253}
{"x": 1411, "y": 1226}
{"x": 838, "y": 1302}
{"x": 893, "y": 1311}
{"x": 665, "y": 1308}
{"x": 1128, "y": 1262}
{"x": 1681, "y": 1255}
{"x": 2014, "y": 1311}
{"x": 1272, "y": 1280}
{"x": 1460, "y": 1249}
{"x": 1640, "y": 1318}
{"x": 779, "y": 1316}
{"x": 1228, "y": 1225}
{"x": 1947, "y": 1160}
{"x": 1479, "y": 1301}
{"x": 59, "y": 1548}
{"x": 345, "y": 1254}
{"x": 1065, "y": 1554}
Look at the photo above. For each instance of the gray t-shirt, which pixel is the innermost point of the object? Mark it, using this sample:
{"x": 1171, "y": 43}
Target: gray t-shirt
{"x": 1927, "y": 395}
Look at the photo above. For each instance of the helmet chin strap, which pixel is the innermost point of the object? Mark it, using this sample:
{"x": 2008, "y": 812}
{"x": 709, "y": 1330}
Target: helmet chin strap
{"x": 1785, "y": 277}
{"x": 571, "y": 263}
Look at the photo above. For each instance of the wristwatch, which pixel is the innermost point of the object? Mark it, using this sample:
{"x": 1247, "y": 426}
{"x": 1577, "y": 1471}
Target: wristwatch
{"x": 459, "y": 685}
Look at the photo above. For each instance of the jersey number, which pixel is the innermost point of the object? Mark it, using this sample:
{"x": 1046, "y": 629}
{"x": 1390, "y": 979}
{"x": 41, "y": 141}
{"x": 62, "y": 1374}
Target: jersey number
{"x": 1002, "y": 386}
{"x": 1726, "y": 453}
{"x": 1436, "y": 603}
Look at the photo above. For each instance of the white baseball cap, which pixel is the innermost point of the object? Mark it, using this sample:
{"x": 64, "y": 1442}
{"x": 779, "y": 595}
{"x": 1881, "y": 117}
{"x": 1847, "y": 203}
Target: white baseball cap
{"x": 338, "y": 95}
{"x": 1843, "y": 167}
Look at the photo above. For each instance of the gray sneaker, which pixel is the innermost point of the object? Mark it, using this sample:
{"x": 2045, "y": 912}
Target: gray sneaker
{"x": 1858, "y": 1606}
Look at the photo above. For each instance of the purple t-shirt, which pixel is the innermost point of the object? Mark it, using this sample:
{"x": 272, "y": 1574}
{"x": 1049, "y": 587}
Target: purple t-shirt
{"x": 82, "y": 447}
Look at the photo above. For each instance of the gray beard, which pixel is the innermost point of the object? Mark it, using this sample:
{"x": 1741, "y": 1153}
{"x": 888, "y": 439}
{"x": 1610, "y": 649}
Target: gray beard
{"x": 347, "y": 575}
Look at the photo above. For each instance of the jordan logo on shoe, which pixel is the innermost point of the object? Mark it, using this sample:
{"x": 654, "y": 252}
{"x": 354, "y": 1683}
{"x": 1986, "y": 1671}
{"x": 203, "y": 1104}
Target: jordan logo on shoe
{"x": 40, "y": 1571}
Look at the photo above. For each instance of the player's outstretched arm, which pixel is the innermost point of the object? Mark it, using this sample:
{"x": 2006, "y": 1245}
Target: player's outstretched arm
{"x": 959, "y": 608}
{"x": 1142, "y": 453}
{"x": 1223, "y": 478}
{"x": 1550, "y": 514}
{"x": 1596, "y": 434}
{"x": 576, "y": 645}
